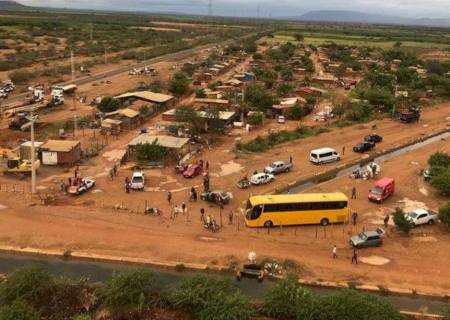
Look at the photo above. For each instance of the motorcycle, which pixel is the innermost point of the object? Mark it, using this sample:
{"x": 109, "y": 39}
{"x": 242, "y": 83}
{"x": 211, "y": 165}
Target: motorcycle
{"x": 214, "y": 227}
{"x": 153, "y": 211}
{"x": 244, "y": 183}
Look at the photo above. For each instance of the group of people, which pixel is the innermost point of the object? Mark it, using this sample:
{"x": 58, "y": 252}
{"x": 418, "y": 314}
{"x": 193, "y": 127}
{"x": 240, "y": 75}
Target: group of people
{"x": 354, "y": 255}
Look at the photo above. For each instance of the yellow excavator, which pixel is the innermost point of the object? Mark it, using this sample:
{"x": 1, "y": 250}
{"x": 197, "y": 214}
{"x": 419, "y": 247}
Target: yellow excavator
{"x": 16, "y": 165}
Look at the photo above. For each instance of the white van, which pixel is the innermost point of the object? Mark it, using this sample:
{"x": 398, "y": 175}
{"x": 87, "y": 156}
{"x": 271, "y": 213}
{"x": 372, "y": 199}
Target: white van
{"x": 323, "y": 155}
{"x": 137, "y": 181}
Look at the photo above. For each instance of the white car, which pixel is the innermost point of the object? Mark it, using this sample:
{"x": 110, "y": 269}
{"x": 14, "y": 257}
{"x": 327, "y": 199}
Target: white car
{"x": 262, "y": 178}
{"x": 281, "y": 119}
{"x": 85, "y": 184}
{"x": 421, "y": 216}
{"x": 137, "y": 181}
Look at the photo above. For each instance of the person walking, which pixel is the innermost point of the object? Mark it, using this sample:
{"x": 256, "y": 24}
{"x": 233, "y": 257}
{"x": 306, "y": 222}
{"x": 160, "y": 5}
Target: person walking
{"x": 354, "y": 217}
{"x": 127, "y": 186}
{"x": 194, "y": 195}
{"x": 70, "y": 181}
{"x": 169, "y": 197}
{"x": 202, "y": 215}
{"x": 290, "y": 159}
{"x": 343, "y": 150}
{"x": 353, "y": 192}
{"x": 230, "y": 217}
{"x": 183, "y": 208}
{"x": 334, "y": 252}
{"x": 207, "y": 165}
{"x": 115, "y": 170}
{"x": 111, "y": 174}
{"x": 386, "y": 221}
{"x": 355, "y": 257}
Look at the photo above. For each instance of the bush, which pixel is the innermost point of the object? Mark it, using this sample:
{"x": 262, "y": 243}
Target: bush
{"x": 441, "y": 181}
{"x": 401, "y": 222}
{"x": 18, "y": 310}
{"x": 297, "y": 113}
{"x": 255, "y": 118}
{"x": 200, "y": 93}
{"x": 347, "y": 304}
{"x": 20, "y": 76}
{"x": 81, "y": 317}
{"x": 108, "y": 104}
{"x": 446, "y": 311}
{"x": 289, "y": 300}
{"x": 439, "y": 159}
{"x": 150, "y": 151}
{"x": 179, "y": 84}
{"x": 144, "y": 111}
{"x": 256, "y": 145}
{"x": 210, "y": 299}
{"x": 29, "y": 284}
{"x": 444, "y": 215}
{"x": 128, "y": 290}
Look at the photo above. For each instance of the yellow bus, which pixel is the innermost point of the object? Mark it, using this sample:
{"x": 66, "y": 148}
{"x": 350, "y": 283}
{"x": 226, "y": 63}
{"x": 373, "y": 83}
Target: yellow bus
{"x": 296, "y": 209}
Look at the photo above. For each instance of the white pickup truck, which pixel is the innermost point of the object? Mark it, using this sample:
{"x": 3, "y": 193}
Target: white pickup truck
{"x": 278, "y": 167}
{"x": 421, "y": 216}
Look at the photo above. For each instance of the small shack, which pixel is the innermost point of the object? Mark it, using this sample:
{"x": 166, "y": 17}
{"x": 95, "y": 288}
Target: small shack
{"x": 175, "y": 146}
{"x": 201, "y": 103}
{"x": 61, "y": 152}
{"x": 25, "y": 149}
{"x": 112, "y": 125}
{"x": 161, "y": 101}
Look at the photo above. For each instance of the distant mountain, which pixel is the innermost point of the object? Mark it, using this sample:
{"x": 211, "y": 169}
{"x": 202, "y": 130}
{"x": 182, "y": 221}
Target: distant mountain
{"x": 11, "y": 5}
{"x": 361, "y": 17}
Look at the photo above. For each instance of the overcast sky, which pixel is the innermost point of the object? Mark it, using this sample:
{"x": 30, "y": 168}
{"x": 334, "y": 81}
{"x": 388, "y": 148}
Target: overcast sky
{"x": 275, "y": 8}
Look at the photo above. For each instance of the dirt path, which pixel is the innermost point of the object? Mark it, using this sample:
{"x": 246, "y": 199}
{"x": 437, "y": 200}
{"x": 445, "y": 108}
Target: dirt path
{"x": 90, "y": 222}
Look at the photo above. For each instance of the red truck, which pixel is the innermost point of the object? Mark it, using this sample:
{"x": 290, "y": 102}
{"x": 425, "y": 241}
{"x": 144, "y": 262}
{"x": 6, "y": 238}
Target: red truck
{"x": 383, "y": 189}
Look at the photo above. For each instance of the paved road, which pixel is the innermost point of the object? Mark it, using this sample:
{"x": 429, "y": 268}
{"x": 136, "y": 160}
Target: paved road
{"x": 7, "y": 103}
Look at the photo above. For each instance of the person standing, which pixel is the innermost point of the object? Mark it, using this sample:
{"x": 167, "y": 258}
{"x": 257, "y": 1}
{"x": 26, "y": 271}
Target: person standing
{"x": 169, "y": 197}
{"x": 202, "y": 215}
{"x": 290, "y": 159}
{"x": 183, "y": 208}
{"x": 207, "y": 165}
{"x": 194, "y": 195}
{"x": 355, "y": 257}
{"x": 354, "y": 217}
{"x": 353, "y": 192}
{"x": 70, "y": 181}
{"x": 334, "y": 252}
{"x": 343, "y": 150}
{"x": 230, "y": 217}
{"x": 127, "y": 186}
{"x": 386, "y": 221}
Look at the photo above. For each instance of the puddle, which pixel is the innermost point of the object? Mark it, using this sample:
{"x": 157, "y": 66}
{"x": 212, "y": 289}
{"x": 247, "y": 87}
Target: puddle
{"x": 3, "y": 207}
{"x": 229, "y": 168}
{"x": 374, "y": 260}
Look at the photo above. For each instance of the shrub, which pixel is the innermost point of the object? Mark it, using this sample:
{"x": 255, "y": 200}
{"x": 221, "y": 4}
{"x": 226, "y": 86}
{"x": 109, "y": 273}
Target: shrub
{"x": 126, "y": 290}
{"x": 108, "y": 104}
{"x": 347, "y": 304}
{"x": 200, "y": 93}
{"x": 256, "y": 145}
{"x": 29, "y": 284}
{"x": 401, "y": 222}
{"x": 18, "y": 310}
{"x": 288, "y": 300}
{"x": 20, "y": 76}
{"x": 441, "y": 181}
{"x": 144, "y": 111}
{"x": 81, "y": 317}
{"x": 446, "y": 311}
{"x": 444, "y": 215}
{"x": 149, "y": 151}
{"x": 255, "y": 118}
{"x": 210, "y": 299}
{"x": 439, "y": 159}
{"x": 179, "y": 84}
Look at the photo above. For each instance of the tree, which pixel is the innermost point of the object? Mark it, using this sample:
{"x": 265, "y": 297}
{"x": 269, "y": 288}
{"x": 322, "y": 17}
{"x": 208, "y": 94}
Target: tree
{"x": 289, "y": 300}
{"x": 439, "y": 159}
{"x": 286, "y": 75}
{"x": 200, "y": 93}
{"x": 213, "y": 119}
{"x": 299, "y": 37}
{"x": 29, "y": 284}
{"x": 18, "y": 310}
{"x": 255, "y": 118}
{"x": 108, "y": 104}
{"x": 124, "y": 290}
{"x": 341, "y": 103}
{"x": 258, "y": 98}
{"x": 297, "y": 112}
{"x": 444, "y": 216}
{"x": 401, "y": 222}
{"x": 179, "y": 85}
{"x": 258, "y": 56}
{"x": 397, "y": 44}
{"x": 441, "y": 181}
{"x": 144, "y": 111}
{"x": 150, "y": 151}
{"x": 210, "y": 299}
{"x": 348, "y": 304}
{"x": 188, "y": 115}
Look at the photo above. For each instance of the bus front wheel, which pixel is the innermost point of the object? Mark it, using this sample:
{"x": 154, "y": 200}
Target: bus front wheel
{"x": 268, "y": 224}
{"x": 324, "y": 222}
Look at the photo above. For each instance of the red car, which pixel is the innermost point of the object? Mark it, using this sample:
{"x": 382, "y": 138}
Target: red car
{"x": 192, "y": 171}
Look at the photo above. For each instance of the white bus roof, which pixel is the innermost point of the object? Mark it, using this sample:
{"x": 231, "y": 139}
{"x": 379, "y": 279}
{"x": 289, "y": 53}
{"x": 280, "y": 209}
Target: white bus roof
{"x": 323, "y": 150}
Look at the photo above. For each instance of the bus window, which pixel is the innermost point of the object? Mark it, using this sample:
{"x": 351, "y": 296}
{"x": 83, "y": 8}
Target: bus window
{"x": 256, "y": 212}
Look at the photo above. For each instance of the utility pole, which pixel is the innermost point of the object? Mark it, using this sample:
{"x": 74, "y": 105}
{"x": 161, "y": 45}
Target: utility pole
{"x": 33, "y": 156}
{"x": 74, "y": 125}
{"x": 72, "y": 65}
{"x": 106, "y": 59}
{"x": 91, "y": 33}
{"x": 210, "y": 13}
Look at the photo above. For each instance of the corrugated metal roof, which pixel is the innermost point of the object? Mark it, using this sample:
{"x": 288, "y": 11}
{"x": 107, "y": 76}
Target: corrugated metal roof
{"x": 129, "y": 113}
{"x": 146, "y": 95}
{"x": 60, "y": 145}
{"x": 164, "y": 141}
{"x": 111, "y": 121}
{"x": 216, "y": 101}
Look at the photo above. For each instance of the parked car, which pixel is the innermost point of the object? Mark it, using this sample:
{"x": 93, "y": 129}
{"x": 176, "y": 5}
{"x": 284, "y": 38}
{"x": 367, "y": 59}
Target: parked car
{"x": 85, "y": 184}
{"x": 409, "y": 116}
{"x": 216, "y": 196}
{"x": 373, "y": 137}
{"x": 281, "y": 119}
{"x": 262, "y": 178}
{"x": 192, "y": 171}
{"x": 383, "y": 189}
{"x": 278, "y": 167}
{"x": 421, "y": 216}
{"x": 364, "y": 146}
{"x": 324, "y": 155}
{"x": 137, "y": 181}
{"x": 368, "y": 239}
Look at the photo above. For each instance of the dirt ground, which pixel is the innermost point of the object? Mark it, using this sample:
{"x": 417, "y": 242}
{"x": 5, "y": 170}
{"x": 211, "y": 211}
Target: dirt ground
{"x": 91, "y": 223}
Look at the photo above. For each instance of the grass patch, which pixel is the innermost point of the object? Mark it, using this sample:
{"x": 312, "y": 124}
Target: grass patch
{"x": 261, "y": 144}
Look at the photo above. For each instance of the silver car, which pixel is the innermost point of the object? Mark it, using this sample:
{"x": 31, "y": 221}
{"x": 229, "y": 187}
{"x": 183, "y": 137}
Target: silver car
{"x": 368, "y": 239}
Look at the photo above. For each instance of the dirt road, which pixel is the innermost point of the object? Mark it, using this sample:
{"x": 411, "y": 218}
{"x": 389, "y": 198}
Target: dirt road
{"x": 90, "y": 223}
